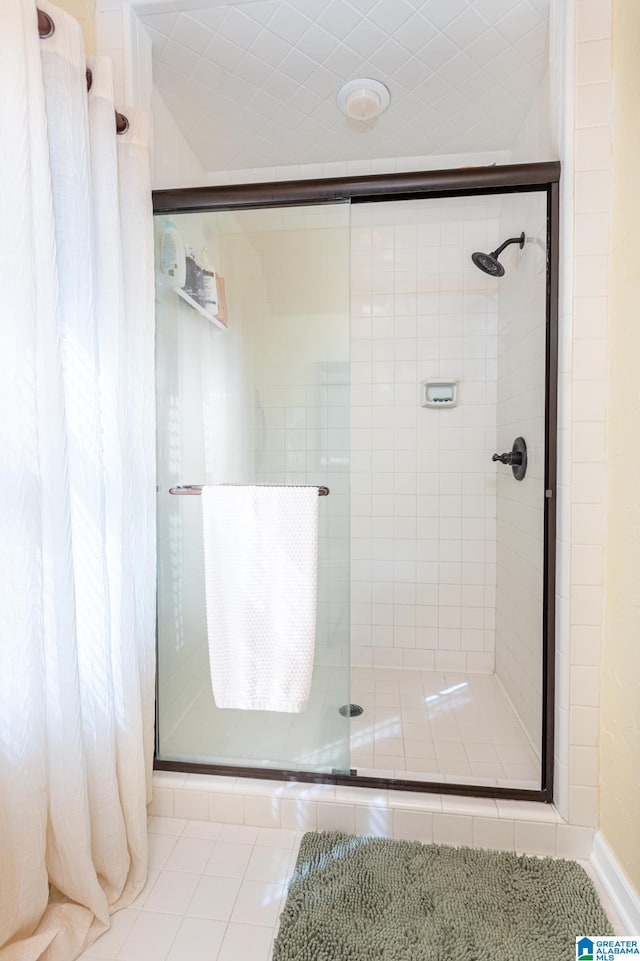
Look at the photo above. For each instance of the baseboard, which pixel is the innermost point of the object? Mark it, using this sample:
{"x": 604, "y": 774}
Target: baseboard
{"x": 623, "y": 896}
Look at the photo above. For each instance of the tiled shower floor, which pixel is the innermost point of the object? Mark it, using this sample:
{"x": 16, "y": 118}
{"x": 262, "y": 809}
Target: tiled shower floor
{"x": 447, "y": 727}
{"x": 419, "y": 725}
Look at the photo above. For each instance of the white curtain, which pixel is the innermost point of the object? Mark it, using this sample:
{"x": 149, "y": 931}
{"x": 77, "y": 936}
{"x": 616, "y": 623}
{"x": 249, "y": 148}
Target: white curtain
{"x": 77, "y": 551}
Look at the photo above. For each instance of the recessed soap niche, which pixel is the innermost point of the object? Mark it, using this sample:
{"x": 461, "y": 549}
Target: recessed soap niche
{"x": 439, "y": 393}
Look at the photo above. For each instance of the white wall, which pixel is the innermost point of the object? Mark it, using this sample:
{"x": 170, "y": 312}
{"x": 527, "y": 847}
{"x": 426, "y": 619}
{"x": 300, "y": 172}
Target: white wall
{"x": 534, "y": 140}
{"x": 174, "y": 163}
{"x": 620, "y": 722}
{"x": 120, "y": 36}
{"x": 423, "y": 484}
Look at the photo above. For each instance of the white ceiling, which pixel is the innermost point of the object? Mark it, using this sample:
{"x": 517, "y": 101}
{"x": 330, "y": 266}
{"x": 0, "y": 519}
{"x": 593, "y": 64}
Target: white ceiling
{"x": 253, "y": 83}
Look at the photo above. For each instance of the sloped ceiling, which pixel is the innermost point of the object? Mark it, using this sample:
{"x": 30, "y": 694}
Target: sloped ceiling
{"x": 254, "y": 84}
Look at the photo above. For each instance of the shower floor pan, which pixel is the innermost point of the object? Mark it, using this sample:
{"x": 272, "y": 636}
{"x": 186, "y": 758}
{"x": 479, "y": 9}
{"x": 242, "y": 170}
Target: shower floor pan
{"x": 415, "y": 725}
{"x": 430, "y": 725}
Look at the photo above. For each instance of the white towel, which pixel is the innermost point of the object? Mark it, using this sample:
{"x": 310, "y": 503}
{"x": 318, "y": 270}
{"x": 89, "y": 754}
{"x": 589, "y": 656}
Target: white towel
{"x": 261, "y": 550}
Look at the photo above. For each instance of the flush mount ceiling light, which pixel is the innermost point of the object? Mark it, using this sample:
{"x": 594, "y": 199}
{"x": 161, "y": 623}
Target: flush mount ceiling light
{"x": 363, "y": 99}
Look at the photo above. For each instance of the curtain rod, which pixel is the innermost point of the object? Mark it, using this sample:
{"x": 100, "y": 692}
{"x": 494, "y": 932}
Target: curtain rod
{"x": 46, "y": 29}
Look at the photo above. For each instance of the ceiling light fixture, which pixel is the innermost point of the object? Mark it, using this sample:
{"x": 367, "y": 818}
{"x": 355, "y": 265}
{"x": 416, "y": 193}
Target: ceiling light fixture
{"x": 363, "y": 99}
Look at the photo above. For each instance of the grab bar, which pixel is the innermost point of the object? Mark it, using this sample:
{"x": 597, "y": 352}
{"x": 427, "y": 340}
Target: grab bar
{"x": 197, "y": 488}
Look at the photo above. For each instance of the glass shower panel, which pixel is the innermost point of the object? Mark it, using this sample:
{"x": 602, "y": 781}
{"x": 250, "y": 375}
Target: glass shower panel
{"x": 448, "y": 547}
{"x": 253, "y": 376}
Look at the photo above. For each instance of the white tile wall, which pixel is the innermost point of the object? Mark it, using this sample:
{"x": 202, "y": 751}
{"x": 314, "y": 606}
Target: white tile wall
{"x": 423, "y": 485}
{"x": 562, "y": 73}
{"x": 288, "y": 284}
{"x": 583, "y": 134}
{"x": 506, "y": 825}
{"x": 520, "y": 504}
{"x": 593, "y": 108}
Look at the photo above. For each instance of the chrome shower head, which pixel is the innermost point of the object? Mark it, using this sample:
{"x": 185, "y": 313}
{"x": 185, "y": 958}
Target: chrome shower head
{"x": 489, "y": 263}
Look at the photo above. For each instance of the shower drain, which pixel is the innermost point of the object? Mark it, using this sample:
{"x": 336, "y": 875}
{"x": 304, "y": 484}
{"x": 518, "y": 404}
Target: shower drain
{"x": 351, "y": 710}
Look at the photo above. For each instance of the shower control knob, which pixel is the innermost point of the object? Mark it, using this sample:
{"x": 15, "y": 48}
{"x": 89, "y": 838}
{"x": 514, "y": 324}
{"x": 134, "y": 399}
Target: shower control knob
{"x": 509, "y": 457}
{"x": 516, "y": 458}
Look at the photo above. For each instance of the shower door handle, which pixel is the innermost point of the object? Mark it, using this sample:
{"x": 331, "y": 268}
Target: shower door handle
{"x": 516, "y": 458}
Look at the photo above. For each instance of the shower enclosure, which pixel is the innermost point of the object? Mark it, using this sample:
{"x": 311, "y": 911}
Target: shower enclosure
{"x": 352, "y": 335}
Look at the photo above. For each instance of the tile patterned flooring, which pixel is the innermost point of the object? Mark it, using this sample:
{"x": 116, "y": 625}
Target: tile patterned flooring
{"x": 214, "y": 893}
{"x": 428, "y": 725}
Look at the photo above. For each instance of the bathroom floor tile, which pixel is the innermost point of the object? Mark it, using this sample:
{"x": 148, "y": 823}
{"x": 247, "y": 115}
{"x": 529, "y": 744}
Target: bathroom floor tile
{"x": 197, "y": 940}
{"x": 278, "y": 838}
{"x": 160, "y": 847}
{"x": 258, "y": 903}
{"x": 269, "y": 864}
{"x": 203, "y": 829}
{"x": 152, "y": 876}
{"x": 150, "y": 937}
{"x": 233, "y": 919}
{"x": 228, "y": 859}
{"x": 228, "y": 910}
{"x": 189, "y": 854}
{"x": 249, "y": 941}
{"x": 214, "y": 898}
{"x": 239, "y": 833}
{"x": 172, "y": 892}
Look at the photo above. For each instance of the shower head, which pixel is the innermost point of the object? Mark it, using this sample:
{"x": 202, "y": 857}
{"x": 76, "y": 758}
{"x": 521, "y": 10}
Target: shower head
{"x": 489, "y": 263}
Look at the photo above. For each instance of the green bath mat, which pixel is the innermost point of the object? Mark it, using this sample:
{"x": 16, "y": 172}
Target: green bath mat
{"x": 370, "y": 899}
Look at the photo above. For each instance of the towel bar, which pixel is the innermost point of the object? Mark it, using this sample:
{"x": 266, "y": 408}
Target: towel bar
{"x": 197, "y": 488}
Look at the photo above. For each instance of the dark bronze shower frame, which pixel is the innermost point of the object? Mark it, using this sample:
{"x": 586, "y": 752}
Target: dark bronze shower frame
{"x": 458, "y": 182}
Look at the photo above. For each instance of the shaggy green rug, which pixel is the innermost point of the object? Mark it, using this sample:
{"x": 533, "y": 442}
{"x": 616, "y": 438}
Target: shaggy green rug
{"x": 370, "y": 899}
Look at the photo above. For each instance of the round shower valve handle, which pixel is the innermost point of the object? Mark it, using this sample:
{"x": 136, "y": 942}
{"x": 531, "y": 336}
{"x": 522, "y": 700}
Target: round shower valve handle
{"x": 516, "y": 458}
{"x": 508, "y": 458}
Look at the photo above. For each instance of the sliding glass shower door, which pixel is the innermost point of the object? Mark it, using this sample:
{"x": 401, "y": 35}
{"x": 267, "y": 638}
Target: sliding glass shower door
{"x": 252, "y": 389}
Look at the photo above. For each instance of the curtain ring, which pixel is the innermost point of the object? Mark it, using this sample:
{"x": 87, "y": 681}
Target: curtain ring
{"x": 46, "y": 26}
{"x": 122, "y": 124}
